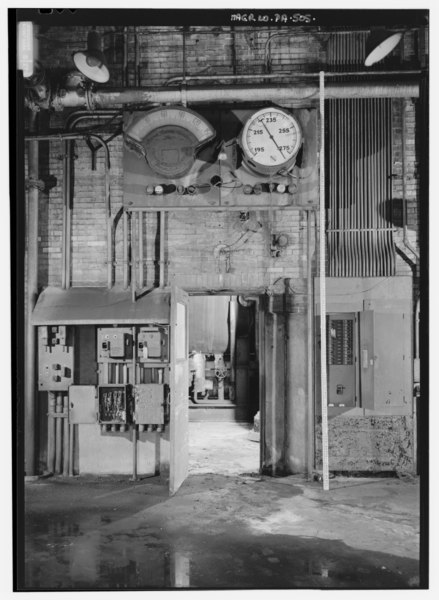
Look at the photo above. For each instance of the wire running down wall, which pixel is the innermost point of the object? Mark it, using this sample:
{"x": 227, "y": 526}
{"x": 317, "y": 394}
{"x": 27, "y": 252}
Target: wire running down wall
{"x": 359, "y": 167}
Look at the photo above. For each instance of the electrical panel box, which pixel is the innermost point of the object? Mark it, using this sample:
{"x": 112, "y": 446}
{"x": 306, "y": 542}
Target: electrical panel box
{"x": 153, "y": 344}
{"x": 82, "y": 404}
{"x": 149, "y": 404}
{"x": 55, "y": 358}
{"x": 115, "y": 344}
{"x": 341, "y": 359}
{"x": 114, "y": 404}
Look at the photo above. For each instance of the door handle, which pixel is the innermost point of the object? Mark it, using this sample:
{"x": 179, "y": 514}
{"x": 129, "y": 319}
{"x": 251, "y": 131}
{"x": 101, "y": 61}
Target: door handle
{"x": 364, "y": 358}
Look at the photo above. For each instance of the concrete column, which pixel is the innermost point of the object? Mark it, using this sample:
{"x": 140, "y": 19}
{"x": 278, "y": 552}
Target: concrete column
{"x": 274, "y": 409}
{"x": 296, "y": 413}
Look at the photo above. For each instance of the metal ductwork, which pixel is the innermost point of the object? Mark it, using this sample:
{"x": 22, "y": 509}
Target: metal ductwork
{"x": 280, "y": 94}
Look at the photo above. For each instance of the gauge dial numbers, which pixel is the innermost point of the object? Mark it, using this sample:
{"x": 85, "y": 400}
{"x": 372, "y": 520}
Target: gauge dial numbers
{"x": 271, "y": 139}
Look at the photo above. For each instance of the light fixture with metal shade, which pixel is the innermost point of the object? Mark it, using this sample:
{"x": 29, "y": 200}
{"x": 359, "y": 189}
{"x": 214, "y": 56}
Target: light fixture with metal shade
{"x": 379, "y": 44}
{"x": 91, "y": 62}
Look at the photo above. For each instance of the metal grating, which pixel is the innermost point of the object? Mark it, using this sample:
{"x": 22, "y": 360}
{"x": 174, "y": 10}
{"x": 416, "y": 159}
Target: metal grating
{"x": 359, "y": 166}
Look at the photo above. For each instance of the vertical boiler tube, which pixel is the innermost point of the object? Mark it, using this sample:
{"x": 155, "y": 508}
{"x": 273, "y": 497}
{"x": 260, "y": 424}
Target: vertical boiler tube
{"x": 32, "y": 293}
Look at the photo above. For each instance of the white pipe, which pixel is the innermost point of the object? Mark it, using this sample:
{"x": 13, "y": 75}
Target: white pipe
{"x": 324, "y": 377}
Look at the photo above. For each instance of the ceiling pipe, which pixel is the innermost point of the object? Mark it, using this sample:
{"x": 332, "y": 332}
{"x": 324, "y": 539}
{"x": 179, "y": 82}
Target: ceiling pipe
{"x": 285, "y": 93}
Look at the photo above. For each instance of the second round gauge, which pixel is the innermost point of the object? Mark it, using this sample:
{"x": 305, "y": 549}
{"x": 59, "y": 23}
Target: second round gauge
{"x": 271, "y": 139}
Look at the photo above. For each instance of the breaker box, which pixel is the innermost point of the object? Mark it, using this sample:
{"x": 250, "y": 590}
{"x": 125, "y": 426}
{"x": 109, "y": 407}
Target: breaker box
{"x": 55, "y": 358}
{"x": 115, "y": 344}
{"x": 114, "y": 404}
{"x": 341, "y": 359}
{"x": 149, "y": 404}
{"x": 152, "y": 344}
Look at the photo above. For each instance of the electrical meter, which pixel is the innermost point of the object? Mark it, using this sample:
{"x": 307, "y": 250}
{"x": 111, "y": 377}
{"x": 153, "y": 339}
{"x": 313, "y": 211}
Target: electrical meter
{"x": 270, "y": 141}
{"x": 169, "y": 138}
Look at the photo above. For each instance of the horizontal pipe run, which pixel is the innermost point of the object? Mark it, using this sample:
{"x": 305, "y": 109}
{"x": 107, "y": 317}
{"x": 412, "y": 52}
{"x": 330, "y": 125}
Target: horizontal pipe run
{"x": 287, "y": 93}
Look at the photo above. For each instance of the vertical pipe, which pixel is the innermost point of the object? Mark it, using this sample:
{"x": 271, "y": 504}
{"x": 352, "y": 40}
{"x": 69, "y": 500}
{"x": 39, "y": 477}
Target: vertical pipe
{"x": 51, "y": 433}
{"x": 125, "y": 249}
{"x": 133, "y": 256}
{"x": 109, "y": 222}
{"x": 310, "y": 341}
{"x": 32, "y": 294}
{"x": 324, "y": 390}
{"x": 140, "y": 238}
{"x": 58, "y": 434}
{"x": 125, "y": 57}
{"x": 71, "y": 448}
{"x": 68, "y": 205}
{"x": 66, "y": 436}
{"x": 64, "y": 216}
{"x": 162, "y": 249}
{"x": 134, "y": 426}
{"x": 233, "y": 306}
{"x": 262, "y": 380}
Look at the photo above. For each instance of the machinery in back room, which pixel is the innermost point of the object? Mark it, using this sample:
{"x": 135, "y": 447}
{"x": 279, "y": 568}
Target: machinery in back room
{"x": 220, "y": 158}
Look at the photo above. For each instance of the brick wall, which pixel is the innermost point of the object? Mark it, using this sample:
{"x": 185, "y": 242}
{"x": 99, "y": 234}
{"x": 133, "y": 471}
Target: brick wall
{"x": 192, "y": 237}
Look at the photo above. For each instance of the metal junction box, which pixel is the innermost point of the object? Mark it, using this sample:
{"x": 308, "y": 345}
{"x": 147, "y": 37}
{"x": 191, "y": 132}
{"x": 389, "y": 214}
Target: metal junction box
{"x": 115, "y": 344}
{"x": 114, "y": 404}
{"x": 55, "y": 358}
{"x": 149, "y": 404}
{"x": 153, "y": 344}
{"x": 82, "y": 404}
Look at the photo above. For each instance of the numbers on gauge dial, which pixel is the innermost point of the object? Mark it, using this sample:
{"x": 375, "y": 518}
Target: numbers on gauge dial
{"x": 272, "y": 138}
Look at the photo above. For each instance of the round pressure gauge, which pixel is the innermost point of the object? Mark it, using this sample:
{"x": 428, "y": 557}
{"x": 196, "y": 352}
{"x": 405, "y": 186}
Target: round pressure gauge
{"x": 270, "y": 140}
{"x": 169, "y": 138}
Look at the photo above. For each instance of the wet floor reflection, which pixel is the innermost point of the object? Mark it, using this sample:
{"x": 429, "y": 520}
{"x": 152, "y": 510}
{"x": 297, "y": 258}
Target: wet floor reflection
{"x": 148, "y": 558}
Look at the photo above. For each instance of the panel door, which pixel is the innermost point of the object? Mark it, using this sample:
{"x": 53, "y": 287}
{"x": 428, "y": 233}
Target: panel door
{"x": 179, "y": 385}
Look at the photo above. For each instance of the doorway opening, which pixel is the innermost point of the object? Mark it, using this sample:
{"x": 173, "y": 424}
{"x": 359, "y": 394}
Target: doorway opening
{"x": 223, "y": 395}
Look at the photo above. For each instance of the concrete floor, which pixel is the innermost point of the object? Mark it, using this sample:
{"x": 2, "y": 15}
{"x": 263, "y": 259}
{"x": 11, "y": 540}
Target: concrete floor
{"x": 227, "y": 528}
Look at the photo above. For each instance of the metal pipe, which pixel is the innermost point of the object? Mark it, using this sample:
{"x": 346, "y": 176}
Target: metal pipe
{"x": 66, "y": 444}
{"x": 310, "y": 341}
{"x": 140, "y": 243}
{"x": 125, "y": 57}
{"x": 64, "y": 218}
{"x": 58, "y": 434}
{"x": 162, "y": 250}
{"x": 68, "y": 213}
{"x": 133, "y": 256}
{"x": 233, "y": 304}
{"x": 76, "y": 136}
{"x": 51, "y": 433}
{"x": 71, "y": 448}
{"x": 32, "y": 294}
{"x": 405, "y": 239}
{"x": 324, "y": 390}
{"x": 285, "y": 93}
{"x": 283, "y": 74}
{"x": 125, "y": 249}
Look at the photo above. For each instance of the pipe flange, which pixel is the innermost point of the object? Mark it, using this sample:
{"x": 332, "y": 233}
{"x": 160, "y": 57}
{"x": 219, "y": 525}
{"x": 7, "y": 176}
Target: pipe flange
{"x": 90, "y": 99}
{"x": 183, "y": 90}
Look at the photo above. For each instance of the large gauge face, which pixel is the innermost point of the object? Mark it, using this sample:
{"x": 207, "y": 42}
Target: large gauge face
{"x": 270, "y": 140}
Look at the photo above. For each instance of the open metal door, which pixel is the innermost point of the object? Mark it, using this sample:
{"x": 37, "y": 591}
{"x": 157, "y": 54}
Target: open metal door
{"x": 179, "y": 386}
